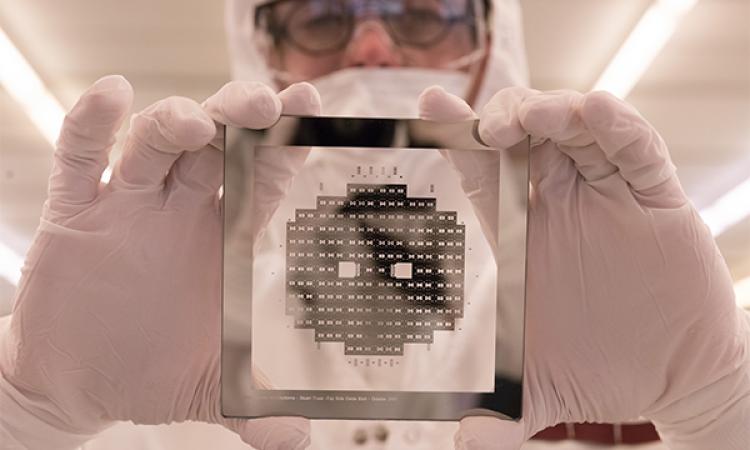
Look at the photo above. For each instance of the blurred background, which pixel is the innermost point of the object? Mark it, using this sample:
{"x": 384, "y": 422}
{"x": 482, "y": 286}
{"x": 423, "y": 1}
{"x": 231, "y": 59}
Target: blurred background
{"x": 685, "y": 64}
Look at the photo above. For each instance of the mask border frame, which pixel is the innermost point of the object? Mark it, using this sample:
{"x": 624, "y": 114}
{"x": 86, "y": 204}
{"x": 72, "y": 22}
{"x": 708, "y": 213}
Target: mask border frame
{"x": 249, "y": 407}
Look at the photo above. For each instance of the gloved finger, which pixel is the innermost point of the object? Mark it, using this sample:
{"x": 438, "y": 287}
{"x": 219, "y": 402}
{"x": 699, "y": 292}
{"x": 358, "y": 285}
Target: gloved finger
{"x": 195, "y": 178}
{"x": 556, "y": 116}
{"x": 244, "y": 104}
{"x": 239, "y": 104}
{"x": 499, "y": 122}
{"x": 278, "y": 166}
{"x": 634, "y": 147}
{"x": 273, "y": 433}
{"x": 300, "y": 99}
{"x": 438, "y": 105}
{"x": 249, "y": 104}
{"x": 86, "y": 137}
{"x": 201, "y": 172}
{"x": 488, "y": 433}
{"x": 479, "y": 171}
{"x": 157, "y": 137}
{"x": 500, "y": 126}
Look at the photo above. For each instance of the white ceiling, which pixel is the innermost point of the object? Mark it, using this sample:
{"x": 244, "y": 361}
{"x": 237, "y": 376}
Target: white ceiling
{"x": 697, "y": 93}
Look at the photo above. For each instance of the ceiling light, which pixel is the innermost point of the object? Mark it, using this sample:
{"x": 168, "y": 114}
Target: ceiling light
{"x": 640, "y": 48}
{"x": 742, "y": 292}
{"x": 25, "y": 87}
{"x": 10, "y": 264}
{"x": 729, "y": 209}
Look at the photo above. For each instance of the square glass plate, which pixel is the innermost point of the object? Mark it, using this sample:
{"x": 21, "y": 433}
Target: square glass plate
{"x": 373, "y": 269}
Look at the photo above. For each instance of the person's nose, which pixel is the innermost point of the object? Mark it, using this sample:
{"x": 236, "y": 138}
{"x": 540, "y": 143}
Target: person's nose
{"x": 371, "y": 46}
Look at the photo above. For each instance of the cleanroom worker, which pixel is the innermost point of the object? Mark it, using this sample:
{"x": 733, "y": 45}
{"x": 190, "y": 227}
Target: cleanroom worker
{"x": 630, "y": 308}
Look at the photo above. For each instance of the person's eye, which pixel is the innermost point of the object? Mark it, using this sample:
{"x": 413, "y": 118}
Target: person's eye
{"x": 421, "y": 18}
{"x": 325, "y": 22}
{"x": 417, "y": 25}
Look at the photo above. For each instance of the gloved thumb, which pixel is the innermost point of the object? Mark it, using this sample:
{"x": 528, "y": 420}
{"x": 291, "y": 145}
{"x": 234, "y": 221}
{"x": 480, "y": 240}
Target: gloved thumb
{"x": 300, "y": 99}
{"x": 438, "y": 105}
{"x": 272, "y": 433}
{"x": 489, "y": 433}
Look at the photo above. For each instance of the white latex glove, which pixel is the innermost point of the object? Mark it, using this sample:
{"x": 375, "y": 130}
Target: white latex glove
{"x": 117, "y": 315}
{"x": 630, "y": 309}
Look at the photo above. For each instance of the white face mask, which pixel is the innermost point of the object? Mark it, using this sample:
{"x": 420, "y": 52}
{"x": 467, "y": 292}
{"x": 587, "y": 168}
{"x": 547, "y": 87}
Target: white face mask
{"x": 383, "y": 92}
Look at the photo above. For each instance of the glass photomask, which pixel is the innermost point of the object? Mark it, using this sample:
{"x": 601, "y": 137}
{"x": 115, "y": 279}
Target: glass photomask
{"x": 373, "y": 269}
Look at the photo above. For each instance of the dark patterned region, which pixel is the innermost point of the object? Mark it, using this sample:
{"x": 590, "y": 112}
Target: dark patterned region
{"x": 375, "y": 269}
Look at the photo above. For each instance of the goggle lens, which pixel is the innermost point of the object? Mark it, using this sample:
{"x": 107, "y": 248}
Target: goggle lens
{"x": 324, "y": 26}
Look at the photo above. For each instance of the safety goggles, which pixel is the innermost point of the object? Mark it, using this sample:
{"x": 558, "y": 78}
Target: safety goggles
{"x": 321, "y": 27}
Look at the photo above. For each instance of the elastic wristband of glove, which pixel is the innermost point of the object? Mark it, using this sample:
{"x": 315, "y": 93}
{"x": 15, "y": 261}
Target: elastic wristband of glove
{"x": 22, "y": 429}
{"x": 717, "y": 416}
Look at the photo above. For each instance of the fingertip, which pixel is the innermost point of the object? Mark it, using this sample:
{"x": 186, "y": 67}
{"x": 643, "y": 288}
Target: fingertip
{"x": 435, "y": 89}
{"x": 173, "y": 125}
{"x": 534, "y": 117}
{"x": 275, "y": 433}
{"x": 498, "y": 134}
{"x": 263, "y": 102}
{"x": 555, "y": 115}
{"x": 437, "y": 104}
{"x": 300, "y": 99}
{"x": 190, "y": 126}
{"x": 499, "y": 124}
{"x": 547, "y": 114}
{"x": 599, "y": 108}
{"x": 637, "y": 150}
{"x": 616, "y": 124}
{"x": 245, "y": 104}
{"x": 107, "y": 100}
{"x": 111, "y": 83}
{"x": 488, "y": 432}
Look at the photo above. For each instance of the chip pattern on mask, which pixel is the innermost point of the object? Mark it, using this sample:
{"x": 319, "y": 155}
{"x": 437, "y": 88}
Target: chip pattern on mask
{"x": 375, "y": 269}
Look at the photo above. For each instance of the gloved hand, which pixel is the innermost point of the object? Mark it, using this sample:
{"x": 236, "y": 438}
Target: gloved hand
{"x": 117, "y": 315}
{"x": 630, "y": 309}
